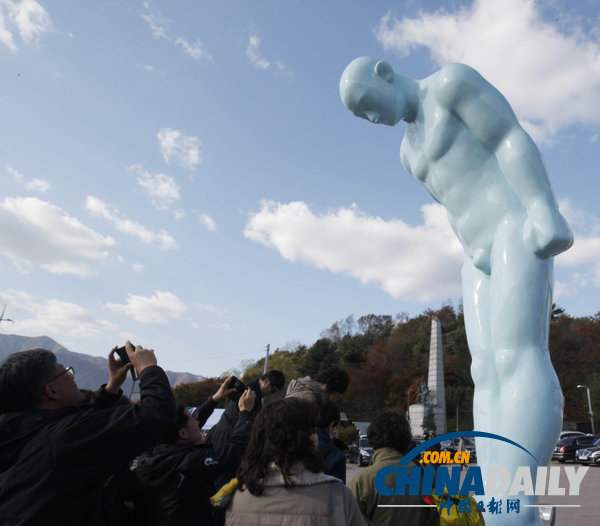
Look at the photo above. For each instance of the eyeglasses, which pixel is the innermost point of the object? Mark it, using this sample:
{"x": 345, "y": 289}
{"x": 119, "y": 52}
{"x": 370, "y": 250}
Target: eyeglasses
{"x": 67, "y": 370}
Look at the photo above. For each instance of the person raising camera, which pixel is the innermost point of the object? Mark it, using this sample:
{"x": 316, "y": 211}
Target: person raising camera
{"x": 269, "y": 383}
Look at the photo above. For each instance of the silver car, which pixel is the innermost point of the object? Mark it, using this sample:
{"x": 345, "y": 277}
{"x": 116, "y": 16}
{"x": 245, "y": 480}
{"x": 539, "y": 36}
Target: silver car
{"x": 589, "y": 455}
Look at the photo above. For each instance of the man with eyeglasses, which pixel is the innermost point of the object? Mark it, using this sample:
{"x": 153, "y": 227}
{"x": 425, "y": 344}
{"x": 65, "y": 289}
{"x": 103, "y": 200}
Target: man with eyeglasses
{"x": 55, "y": 453}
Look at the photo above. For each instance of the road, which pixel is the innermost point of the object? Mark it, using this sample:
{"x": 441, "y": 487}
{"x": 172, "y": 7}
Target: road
{"x": 588, "y": 512}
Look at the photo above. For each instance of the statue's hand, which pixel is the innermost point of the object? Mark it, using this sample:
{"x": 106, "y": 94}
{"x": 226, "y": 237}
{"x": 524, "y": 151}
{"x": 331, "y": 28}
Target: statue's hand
{"x": 545, "y": 231}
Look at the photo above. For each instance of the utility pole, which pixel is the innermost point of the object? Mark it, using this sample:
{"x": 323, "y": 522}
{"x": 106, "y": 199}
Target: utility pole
{"x": 267, "y": 359}
{"x": 589, "y": 406}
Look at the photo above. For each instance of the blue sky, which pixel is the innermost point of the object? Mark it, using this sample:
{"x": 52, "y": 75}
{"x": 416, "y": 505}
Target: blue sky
{"x": 183, "y": 174}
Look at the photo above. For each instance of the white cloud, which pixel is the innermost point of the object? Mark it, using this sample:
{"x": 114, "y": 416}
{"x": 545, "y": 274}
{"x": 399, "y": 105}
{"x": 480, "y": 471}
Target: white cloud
{"x": 162, "y": 189}
{"x": 254, "y": 55}
{"x": 37, "y": 184}
{"x": 138, "y": 267}
{"x": 183, "y": 149}
{"x": 98, "y": 208}
{"x": 60, "y": 319}
{"x": 207, "y": 222}
{"x": 195, "y": 50}
{"x": 208, "y": 308}
{"x": 584, "y": 255}
{"x": 156, "y": 22}
{"x": 158, "y": 308}
{"x": 38, "y": 233}
{"x": 159, "y": 25}
{"x": 19, "y": 177}
{"x": 259, "y": 61}
{"x": 421, "y": 262}
{"x": 551, "y": 78}
{"x": 25, "y": 17}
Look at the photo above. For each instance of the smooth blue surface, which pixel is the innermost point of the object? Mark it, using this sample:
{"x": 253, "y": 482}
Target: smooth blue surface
{"x": 466, "y": 147}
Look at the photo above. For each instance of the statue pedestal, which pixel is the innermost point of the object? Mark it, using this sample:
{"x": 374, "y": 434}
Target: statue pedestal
{"x": 417, "y": 414}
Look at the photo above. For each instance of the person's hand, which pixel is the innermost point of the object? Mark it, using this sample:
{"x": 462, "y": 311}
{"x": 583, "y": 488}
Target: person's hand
{"x": 545, "y": 231}
{"x": 140, "y": 357}
{"x": 224, "y": 391}
{"x": 117, "y": 372}
{"x": 246, "y": 402}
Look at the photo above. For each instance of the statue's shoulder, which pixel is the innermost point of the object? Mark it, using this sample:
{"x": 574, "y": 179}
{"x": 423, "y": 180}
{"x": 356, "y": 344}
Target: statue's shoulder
{"x": 456, "y": 72}
{"x": 455, "y": 81}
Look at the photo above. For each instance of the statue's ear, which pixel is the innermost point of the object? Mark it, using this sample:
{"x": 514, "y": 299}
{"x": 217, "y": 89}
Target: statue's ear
{"x": 384, "y": 70}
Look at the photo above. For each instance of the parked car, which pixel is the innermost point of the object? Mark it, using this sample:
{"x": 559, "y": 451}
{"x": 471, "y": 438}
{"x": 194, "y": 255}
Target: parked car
{"x": 589, "y": 455}
{"x": 413, "y": 444}
{"x": 453, "y": 445}
{"x": 569, "y": 433}
{"x": 360, "y": 452}
{"x": 566, "y": 447}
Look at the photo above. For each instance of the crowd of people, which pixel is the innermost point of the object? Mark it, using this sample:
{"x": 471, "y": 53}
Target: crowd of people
{"x": 73, "y": 458}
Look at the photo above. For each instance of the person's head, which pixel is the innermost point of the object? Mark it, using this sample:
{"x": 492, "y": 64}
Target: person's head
{"x": 329, "y": 417}
{"x": 271, "y": 382}
{"x": 283, "y": 433}
{"x": 33, "y": 379}
{"x": 370, "y": 89}
{"x": 390, "y": 429}
{"x": 186, "y": 429}
{"x": 334, "y": 380}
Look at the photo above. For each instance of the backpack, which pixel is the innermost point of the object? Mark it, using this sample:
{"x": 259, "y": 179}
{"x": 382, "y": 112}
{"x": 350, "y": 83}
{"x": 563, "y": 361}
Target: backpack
{"x": 448, "y": 510}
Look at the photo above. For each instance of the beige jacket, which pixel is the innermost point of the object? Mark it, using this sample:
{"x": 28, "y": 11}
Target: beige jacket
{"x": 316, "y": 500}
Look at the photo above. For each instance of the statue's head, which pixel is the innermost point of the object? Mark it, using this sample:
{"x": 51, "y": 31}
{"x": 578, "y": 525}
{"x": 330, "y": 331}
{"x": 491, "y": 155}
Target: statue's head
{"x": 368, "y": 90}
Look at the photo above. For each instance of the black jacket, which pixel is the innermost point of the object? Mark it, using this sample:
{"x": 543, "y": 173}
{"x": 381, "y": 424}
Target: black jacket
{"x": 219, "y": 435}
{"x": 54, "y": 463}
{"x": 177, "y": 479}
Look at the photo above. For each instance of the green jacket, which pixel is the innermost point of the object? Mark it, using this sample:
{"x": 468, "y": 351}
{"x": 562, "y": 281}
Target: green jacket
{"x": 369, "y": 500}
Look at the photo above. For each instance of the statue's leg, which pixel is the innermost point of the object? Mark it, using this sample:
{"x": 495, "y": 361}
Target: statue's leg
{"x": 530, "y": 403}
{"x": 476, "y": 308}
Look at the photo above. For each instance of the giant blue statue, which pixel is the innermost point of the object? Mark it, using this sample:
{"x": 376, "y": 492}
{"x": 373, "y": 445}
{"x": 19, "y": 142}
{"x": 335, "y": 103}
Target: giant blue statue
{"x": 465, "y": 145}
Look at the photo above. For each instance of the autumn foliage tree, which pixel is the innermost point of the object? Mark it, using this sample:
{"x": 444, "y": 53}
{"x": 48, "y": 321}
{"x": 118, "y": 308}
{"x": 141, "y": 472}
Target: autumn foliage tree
{"x": 386, "y": 355}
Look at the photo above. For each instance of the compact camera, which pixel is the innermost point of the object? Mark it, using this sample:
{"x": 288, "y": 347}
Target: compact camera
{"x": 234, "y": 383}
{"x": 122, "y": 352}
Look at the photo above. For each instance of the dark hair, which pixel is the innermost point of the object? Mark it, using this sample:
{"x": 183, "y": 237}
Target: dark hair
{"x": 335, "y": 378}
{"x": 22, "y": 379}
{"x": 328, "y": 413}
{"x": 181, "y": 420}
{"x": 390, "y": 429}
{"x": 281, "y": 434}
{"x": 276, "y": 379}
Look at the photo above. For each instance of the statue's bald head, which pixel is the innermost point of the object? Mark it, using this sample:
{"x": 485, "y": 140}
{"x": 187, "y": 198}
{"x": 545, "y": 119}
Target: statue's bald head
{"x": 367, "y": 89}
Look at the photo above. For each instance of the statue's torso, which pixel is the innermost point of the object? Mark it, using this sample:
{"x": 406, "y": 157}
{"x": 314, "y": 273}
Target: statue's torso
{"x": 460, "y": 173}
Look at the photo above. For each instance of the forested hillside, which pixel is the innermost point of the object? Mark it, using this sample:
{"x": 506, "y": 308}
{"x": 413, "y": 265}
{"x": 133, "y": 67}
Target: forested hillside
{"x": 387, "y": 357}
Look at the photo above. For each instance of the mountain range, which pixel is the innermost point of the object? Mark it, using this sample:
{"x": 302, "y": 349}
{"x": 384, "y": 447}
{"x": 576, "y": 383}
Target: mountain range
{"x": 90, "y": 371}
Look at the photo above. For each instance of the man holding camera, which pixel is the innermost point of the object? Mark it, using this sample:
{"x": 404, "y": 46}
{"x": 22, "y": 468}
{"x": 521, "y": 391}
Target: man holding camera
{"x": 176, "y": 478}
{"x": 56, "y": 454}
{"x": 268, "y": 384}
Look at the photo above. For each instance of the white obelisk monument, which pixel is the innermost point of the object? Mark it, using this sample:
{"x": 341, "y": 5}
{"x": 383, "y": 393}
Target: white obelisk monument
{"x": 435, "y": 380}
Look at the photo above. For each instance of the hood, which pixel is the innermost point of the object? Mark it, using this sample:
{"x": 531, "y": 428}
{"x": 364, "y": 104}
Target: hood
{"x": 305, "y": 388}
{"x": 156, "y": 465}
{"x": 301, "y": 476}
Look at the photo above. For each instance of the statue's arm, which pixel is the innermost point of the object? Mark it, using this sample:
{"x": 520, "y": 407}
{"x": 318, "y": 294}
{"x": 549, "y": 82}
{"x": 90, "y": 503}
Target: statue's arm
{"x": 487, "y": 114}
